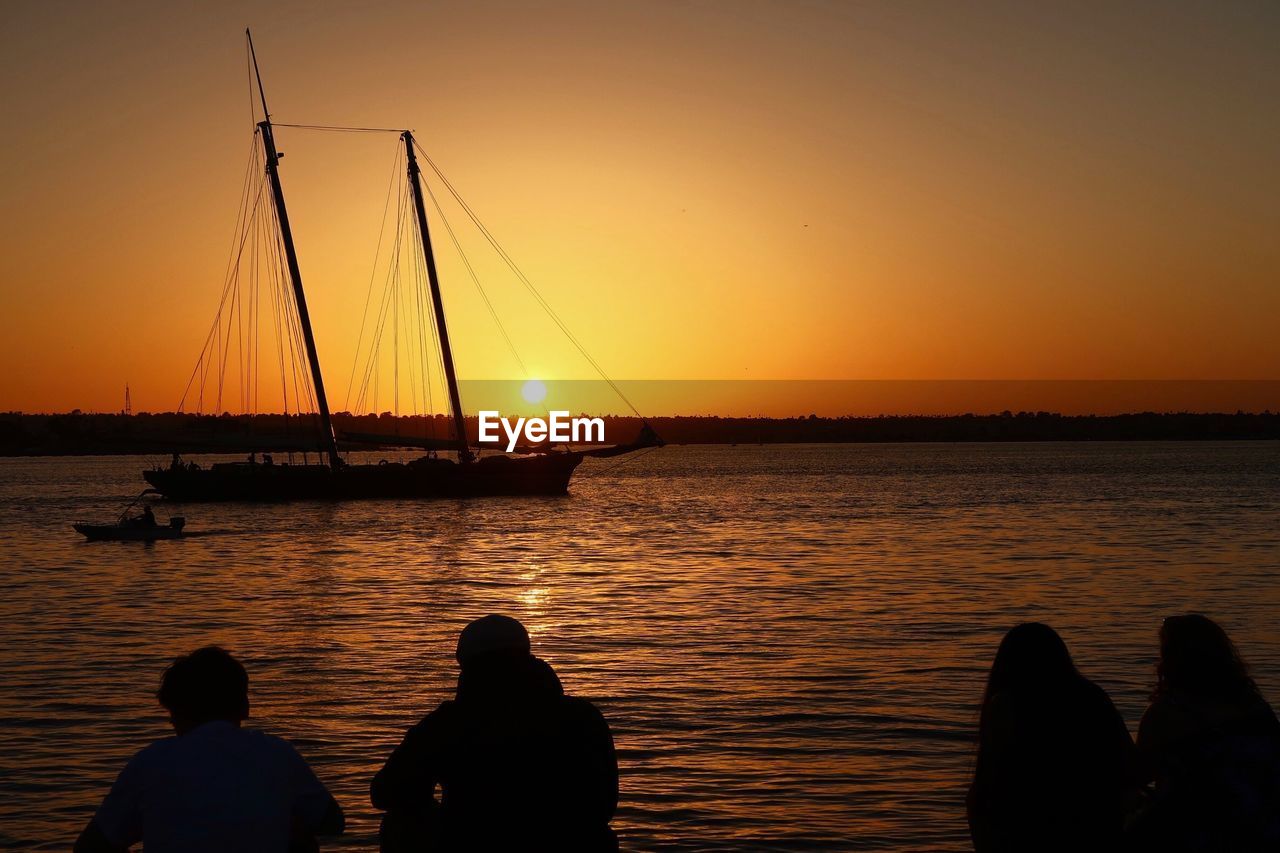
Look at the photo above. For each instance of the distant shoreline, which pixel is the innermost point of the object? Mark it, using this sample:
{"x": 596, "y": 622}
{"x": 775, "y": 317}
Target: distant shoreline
{"x": 80, "y": 434}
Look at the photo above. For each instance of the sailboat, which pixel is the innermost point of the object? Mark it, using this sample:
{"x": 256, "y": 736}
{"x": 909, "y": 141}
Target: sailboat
{"x": 543, "y": 471}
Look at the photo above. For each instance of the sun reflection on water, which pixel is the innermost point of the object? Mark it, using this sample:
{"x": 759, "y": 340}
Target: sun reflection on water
{"x": 788, "y": 643}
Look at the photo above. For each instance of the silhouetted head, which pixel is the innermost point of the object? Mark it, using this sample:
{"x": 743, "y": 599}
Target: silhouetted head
{"x": 498, "y": 669}
{"x": 1198, "y": 658}
{"x": 492, "y": 635}
{"x": 206, "y": 685}
{"x": 1031, "y": 657}
{"x": 1031, "y": 666}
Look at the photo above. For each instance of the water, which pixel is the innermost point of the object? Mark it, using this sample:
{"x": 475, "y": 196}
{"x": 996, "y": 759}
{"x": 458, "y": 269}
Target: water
{"x": 789, "y": 642}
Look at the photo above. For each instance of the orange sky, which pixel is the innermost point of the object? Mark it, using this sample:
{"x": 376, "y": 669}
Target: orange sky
{"x": 790, "y": 190}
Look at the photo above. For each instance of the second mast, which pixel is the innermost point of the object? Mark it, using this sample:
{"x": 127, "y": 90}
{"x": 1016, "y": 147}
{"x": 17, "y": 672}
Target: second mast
{"x": 437, "y": 305}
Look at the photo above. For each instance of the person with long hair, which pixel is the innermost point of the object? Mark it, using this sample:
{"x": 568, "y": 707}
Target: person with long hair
{"x": 1211, "y": 744}
{"x": 1055, "y": 766}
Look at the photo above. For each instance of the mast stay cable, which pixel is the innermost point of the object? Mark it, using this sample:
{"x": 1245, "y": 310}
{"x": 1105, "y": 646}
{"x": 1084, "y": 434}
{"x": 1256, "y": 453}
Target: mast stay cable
{"x": 542, "y": 302}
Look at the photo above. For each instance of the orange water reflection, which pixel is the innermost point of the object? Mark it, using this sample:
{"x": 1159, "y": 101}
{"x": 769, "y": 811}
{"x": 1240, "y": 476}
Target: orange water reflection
{"x": 788, "y": 642}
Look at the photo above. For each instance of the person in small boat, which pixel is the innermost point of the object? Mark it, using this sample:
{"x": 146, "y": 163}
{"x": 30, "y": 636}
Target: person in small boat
{"x": 214, "y": 787}
{"x": 520, "y": 765}
{"x": 1056, "y": 769}
{"x": 176, "y": 463}
{"x": 146, "y": 518}
{"x": 1211, "y": 743}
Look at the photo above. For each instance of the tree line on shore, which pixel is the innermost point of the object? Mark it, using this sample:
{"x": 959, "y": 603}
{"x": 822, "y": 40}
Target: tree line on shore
{"x": 76, "y": 432}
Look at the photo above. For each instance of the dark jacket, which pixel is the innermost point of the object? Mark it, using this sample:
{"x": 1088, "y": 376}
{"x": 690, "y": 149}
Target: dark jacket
{"x": 519, "y": 765}
{"x": 1216, "y": 767}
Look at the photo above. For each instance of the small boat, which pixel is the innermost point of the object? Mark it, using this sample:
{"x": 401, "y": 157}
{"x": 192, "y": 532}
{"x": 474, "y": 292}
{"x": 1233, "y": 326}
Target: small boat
{"x": 128, "y": 531}
{"x": 133, "y": 528}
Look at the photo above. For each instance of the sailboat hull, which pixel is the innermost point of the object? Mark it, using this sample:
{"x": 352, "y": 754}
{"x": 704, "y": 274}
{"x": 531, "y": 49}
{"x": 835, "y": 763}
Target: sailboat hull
{"x": 423, "y": 478}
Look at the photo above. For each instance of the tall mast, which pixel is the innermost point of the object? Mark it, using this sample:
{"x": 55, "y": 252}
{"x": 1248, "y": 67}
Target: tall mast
{"x": 295, "y": 275}
{"x": 455, "y": 401}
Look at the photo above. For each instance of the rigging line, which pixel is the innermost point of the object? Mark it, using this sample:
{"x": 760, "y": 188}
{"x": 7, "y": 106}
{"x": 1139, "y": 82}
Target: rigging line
{"x": 224, "y": 342}
{"x": 375, "y": 343}
{"x": 218, "y": 317}
{"x": 412, "y": 327}
{"x": 395, "y": 348}
{"x": 394, "y": 285}
{"x": 525, "y": 279}
{"x": 261, "y": 273}
{"x": 239, "y": 312}
{"x": 339, "y": 128}
{"x": 476, "y": 280}
{"x": 264, "y": 263}
{"x": 364, "y": 317}
{"x": 232, "y": 318}
{"x": 438, "y": 348}
{"x": 254, "y": 326}
{"x": 246, "y": 368}
{"x": 397, "y": 297}
{"x": 232, "y": 264}
{"x": 278, "y": 310}
{"x": 426, "y": 325}
{"x": 231, "y": 257}
{"x": 301, "y": 377}
{"x": 420, "y": 264}
{"x": 257, "y": 277}
{"x": 423, "y": 318}
{"x": 370, "y": 364}
{"x": 282, "y": 282}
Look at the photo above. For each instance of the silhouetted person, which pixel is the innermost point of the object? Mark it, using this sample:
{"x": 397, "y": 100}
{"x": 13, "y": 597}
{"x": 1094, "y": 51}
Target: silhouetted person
{"x": 520, "y": 765}
{"x": 148, "y": 518}
{"x": 1055, "y": 767}
{"x": 214, "y": 787}
{"x": 1212, "y": 745}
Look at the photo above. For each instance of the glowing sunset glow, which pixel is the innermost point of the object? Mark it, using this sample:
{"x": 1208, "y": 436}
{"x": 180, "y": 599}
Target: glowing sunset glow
{"x": 702, "y": 191}
{"x": 534, "y": 391}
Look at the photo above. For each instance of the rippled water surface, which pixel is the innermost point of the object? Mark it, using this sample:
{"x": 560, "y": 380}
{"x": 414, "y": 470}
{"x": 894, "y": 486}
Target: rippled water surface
{"x": 789, "y": 642}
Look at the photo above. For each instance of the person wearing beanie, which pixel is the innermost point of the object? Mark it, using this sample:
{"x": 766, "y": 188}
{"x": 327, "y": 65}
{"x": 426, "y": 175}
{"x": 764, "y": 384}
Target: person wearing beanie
{"x": 519, "y": 764}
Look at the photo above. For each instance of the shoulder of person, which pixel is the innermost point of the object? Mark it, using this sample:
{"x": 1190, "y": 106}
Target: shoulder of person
{"x": 267, "y": 741}
{"x": 1093, "y": 691}
{"x": 156, "y": 751}
{"x": 1168, "y": 718}
{"x": 442, "y": 717}
{"x": 1098, "y": 697}
{"x": 584, "y": 710}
